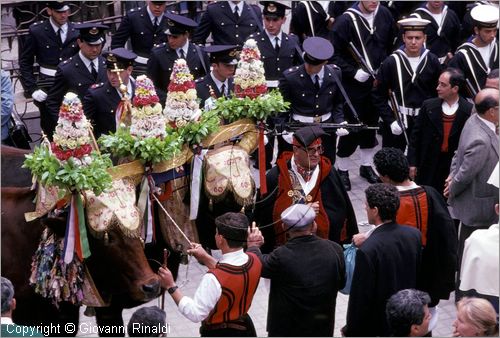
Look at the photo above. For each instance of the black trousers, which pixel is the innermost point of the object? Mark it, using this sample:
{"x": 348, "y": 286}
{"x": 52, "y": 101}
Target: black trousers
{"x": 397, "y": 141}
{"x": 245, "y": 321}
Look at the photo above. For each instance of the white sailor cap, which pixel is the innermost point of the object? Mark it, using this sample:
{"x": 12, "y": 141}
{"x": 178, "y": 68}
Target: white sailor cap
{"x": 485, "y": 16}
{"x": 413, "y": 24}
{"x": 298, "y": 216}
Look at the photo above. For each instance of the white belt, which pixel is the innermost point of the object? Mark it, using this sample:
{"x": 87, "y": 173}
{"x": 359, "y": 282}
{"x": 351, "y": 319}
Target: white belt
{"x": 47, "y": 71}
{"x": 311, "y": 119}
{"x": 143, "y": 60}
{"x": 272, "y": 83}
{"x": 409, "y": 111}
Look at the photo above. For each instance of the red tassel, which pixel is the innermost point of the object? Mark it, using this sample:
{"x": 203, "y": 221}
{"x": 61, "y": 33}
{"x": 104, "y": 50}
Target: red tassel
{"x": 167, "y": 192}
{"x": 262, "y": 160}
{"x": 78, "y": 244}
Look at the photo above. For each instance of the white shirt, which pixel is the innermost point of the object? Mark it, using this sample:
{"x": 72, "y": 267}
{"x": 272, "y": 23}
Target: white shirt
{"x": 209, "y": 291}
{"x": 321, "y": 74}
{"x": 307, "y": 187}
{"x": 185, "y": 48}
{"x": 490, "y": 124}
{"x": 87, "y": 62}
{"x": 152, "y": 17}
{"x": 239, "y": 5}
{"x": 486, "y": 52}
{"x": 449, "y": 110}
{"x": 6, "y": 320}
{"x": 64, "y": 29}
{"x": 370, "y": 17}
{"x": 219, "y": 84}
{"x": 413, "y": 185}
{"x": 414, "y": 61}
{"x": 272, "y": 38}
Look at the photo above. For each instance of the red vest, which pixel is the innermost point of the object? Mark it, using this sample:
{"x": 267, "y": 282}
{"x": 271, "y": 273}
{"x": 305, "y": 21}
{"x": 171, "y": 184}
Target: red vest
{"x": 414, "y": 210}
{"x": 284, "y": 198}
{"x": 238, "y": 284}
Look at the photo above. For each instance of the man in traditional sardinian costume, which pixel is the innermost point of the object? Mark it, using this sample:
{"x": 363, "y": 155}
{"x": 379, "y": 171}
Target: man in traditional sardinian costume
{"x": 410, "y": 74}
{"x": 479, "y": 55}
{"x": 305, "y": 176}
{"x": 102, "y": 102}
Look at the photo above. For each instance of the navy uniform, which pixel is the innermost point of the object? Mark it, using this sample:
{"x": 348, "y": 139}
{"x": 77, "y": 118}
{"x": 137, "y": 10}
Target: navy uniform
{"x": 228, "y": 28}
{"x": 163, "y": 57}
{"x": 469, "y": 58}
{"x": 102, "y": 100}
{"x": 139, "y": 26}
{"x": 43, "y": 44}
{"x": 377, "y": 36}
{"x": 75, "y": 74}
{"x": 279, "y": 55}
{"x": 442, "y": 37}
{"x": 467, "y": 21}
{"x": 417, "y": 86}
{"x": 321, "y": 18}
{"x": 318, "y": 100}
{"x": 209, "y": 85}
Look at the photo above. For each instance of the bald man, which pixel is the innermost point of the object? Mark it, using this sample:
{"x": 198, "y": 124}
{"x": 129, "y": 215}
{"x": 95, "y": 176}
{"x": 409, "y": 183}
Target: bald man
{"x": 468, "y": 192}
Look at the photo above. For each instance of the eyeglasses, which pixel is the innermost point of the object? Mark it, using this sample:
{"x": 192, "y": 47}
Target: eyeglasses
{"x": 312, "y": 151}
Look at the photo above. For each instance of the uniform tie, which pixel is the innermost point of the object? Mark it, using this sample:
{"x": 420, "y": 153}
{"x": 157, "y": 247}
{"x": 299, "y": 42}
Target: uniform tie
{"x": 93, "y": 70}
{"x": 236, "y": 13}
{"x": 277, "y": 44}
{"x": 223, "y": 90}
{"x": 59, "y": 34}
{"x": 316, "y": 82}
{"x": 181, "y": 53}
{"x": 155, "y": 24}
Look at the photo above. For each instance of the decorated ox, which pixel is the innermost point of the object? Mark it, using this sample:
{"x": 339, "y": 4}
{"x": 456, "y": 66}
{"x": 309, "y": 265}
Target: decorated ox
{"x": 12, "y": 173}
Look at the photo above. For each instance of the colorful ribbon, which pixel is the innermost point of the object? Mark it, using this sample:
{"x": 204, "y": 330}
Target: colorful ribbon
{"x": 76, "y": 239}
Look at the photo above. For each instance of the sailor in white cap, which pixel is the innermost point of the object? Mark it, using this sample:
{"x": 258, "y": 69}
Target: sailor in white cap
{"x": 411, "y": 75}
{"x": 479, "y": 55}
{"x": 306, "y": 274}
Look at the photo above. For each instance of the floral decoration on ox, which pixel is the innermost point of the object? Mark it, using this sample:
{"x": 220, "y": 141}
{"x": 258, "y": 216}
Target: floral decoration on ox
{"x": 147, "y": 138}
{"x": 251, "y": 99}
{"x": 182, "y": 107}
{"x": 70, "y": 162}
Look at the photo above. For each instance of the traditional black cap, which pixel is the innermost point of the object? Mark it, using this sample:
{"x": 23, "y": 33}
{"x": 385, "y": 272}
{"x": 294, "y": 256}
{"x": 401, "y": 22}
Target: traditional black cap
{"x": 178, "y": 24}
{"x": 92, "y": 33}
{"x": 413, "y": 24}
{"x": 274, "y": 9}
{"x": 485, "y": 16}
{"x": 122, "y": 57}
{"x": 307, "y": 135}
{"x": 223, "y": 53}
{"x": 317, "y": 50}
{"x": 58, "y": 6}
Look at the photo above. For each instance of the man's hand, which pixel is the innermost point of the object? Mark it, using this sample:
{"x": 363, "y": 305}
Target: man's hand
{"x": 314, "y": 206}
{"x": 166, "y": 278}
{"x": 396, "y": 128}
{"x": 342, "y": 131}
{"x": 39, "y": 95}
{"x": 255, "y": 237}
{"x": 447, "y": 184}
{"x": 361, "y": 75}
{"x": 359, "y": 239}
{"x": 413, "y": 173}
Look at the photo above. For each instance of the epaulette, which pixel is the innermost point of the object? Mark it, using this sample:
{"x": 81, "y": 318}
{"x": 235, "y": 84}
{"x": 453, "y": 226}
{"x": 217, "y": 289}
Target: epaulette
{"x": 97, "y": 85}
{"x": 200, "y": 79}
{"x": 37, "y": 23}
{"x": 67, "y": 60}
{"x": 135, "y": 9}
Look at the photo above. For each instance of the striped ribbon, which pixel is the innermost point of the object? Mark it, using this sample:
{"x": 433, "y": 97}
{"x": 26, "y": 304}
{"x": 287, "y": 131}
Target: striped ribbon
{"x": 76, "y": 239}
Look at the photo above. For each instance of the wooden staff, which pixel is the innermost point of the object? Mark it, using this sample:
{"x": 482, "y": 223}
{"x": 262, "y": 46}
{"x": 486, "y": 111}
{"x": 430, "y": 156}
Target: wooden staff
{"x": 165, "y": 257}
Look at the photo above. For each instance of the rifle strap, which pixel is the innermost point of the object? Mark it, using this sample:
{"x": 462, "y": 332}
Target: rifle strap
{"x": 346, "y": 97}
{"x": 355, "y": 23}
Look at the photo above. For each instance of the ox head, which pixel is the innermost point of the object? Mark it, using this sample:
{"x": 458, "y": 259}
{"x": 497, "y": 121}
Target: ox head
{"x": 117, "y": 263}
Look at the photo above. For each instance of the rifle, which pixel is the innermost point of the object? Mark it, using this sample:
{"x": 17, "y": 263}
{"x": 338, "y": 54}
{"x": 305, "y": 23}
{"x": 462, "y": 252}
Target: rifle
{"x": 295, "y": 125}
{"x": 397, "y": 114}
{"x": 361, "y": 60}
{"x": 470, "y": 88}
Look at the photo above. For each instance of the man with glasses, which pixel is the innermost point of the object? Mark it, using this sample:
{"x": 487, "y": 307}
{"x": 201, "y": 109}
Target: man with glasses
{"x": 305, "y": 176}
{"x": 161, "y": 62}
{"x": 145, "y": 27}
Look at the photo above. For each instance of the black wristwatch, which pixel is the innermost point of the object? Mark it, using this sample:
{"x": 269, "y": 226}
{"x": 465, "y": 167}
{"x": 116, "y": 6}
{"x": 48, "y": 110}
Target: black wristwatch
{"x": 172, "y": 289}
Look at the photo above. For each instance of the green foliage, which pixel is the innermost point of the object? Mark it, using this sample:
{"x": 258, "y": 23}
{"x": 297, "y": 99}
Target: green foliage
{"x": 194, "y": 132}
{"x": 149, "y": 150}
{"x": 70, "y": 175}
{"x": 259, "y": 108}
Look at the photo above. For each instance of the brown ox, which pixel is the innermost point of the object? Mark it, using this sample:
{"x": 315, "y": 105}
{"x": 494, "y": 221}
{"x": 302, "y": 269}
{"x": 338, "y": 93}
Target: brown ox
{"x": 12, "y": 173}
{"x": 118, "y": 266}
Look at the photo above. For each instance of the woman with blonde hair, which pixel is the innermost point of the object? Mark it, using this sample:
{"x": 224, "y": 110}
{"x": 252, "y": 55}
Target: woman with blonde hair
{"x": 476, "y": 317}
